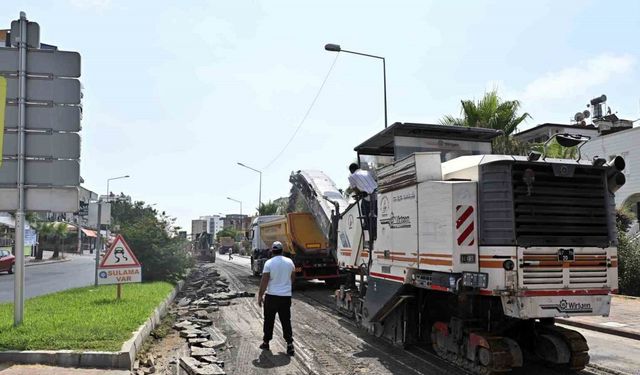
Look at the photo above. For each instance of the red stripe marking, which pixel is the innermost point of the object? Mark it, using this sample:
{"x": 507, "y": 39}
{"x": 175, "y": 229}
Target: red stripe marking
{"x": 597, "y": 292}
{"x": 465, "y": 215}
{"x": 386, "y": 276}
{"x": 440, "y": 288}
{"x": 466, "y": 233}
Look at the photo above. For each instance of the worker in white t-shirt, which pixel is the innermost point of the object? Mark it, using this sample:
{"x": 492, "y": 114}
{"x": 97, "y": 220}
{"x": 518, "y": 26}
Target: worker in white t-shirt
{"x": 366, "y": 187}
{"x": 278, "y": 275}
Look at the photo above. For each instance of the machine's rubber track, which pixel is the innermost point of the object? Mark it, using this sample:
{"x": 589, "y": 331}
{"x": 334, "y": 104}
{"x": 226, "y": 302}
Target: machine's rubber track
{"x": 577, "y": 345}
{"x": 498, "y": 358}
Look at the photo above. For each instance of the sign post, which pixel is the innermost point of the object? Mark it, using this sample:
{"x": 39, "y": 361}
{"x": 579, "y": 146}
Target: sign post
{"x": 40, "y": 116}
{"x": 119, "y": 266}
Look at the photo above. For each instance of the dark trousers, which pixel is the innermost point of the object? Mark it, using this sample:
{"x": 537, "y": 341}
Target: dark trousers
{"x": 370, "y": 221}
{"x": 281, "y": 306}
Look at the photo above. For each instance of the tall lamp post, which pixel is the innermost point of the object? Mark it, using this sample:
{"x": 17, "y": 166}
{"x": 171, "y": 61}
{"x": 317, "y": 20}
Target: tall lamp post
{"x": 99, "y": 224}
{"x": 241, "y": 221}
{"x": 260, "y": 186}
{"x": 111, "y": 179}
{"x": 336, "y": 48}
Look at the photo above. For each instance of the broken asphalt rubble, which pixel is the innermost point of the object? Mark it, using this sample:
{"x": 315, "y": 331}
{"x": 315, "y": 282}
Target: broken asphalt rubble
{"x": 205, "y": 292}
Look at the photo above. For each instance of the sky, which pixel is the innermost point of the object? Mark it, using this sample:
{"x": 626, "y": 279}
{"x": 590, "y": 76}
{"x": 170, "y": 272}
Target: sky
{"x": 176, "y": 93}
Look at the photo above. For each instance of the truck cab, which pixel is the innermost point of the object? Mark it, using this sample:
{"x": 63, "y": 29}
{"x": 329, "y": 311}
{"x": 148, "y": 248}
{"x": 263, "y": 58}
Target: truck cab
{"x": 259, "y": 248}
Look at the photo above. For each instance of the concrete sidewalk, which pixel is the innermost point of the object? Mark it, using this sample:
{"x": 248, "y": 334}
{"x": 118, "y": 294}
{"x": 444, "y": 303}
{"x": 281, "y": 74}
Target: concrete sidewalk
{"x": 38, "y": 369}
{"x": 624, "y": 319}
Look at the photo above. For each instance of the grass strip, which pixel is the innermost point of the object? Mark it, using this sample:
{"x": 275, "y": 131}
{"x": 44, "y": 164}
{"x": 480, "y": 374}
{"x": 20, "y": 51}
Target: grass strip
{"x": 87, "y": 318}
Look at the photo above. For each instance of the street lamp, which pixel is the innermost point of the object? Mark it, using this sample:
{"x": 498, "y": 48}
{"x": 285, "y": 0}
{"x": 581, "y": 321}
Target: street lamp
{"x": 336, "y": 48}
{"x": 111, "y": 179}
{"x": 260, "y": 187}
{"x": 241, "y": 221}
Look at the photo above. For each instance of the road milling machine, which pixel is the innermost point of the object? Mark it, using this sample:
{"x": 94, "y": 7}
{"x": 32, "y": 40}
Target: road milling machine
{"x": 474, "y": 254}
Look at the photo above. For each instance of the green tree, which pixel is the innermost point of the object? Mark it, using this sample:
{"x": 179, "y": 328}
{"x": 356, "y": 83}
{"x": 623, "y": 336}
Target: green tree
{"x": 628, "y": 255}
{"x": 494, "y": 113}
{"x": 269, "y": 208}
{"x": 45, "y": 232}
{"x": 60, "y": 231}
{"x": 226, "y": 232}
{"x": 150, "y": 235}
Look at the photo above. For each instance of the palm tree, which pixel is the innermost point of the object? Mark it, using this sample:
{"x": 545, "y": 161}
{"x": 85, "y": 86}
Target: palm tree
{"x": 45, "y": 230}
{"x": 269, "y": 208}
{"x": 494, "y": 113}
{"x": 60, "y": 232}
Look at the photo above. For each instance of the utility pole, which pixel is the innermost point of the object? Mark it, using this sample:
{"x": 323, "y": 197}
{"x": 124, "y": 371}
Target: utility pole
{"x": 98, "y": 240}
{"x": 18, "y": 297}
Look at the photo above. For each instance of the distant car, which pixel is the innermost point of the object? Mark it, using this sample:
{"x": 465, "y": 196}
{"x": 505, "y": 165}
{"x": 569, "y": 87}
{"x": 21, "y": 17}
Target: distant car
{"x": 7, "y": 260}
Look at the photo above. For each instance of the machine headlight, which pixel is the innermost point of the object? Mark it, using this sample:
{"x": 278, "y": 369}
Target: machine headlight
{"x": 508, "y": 265}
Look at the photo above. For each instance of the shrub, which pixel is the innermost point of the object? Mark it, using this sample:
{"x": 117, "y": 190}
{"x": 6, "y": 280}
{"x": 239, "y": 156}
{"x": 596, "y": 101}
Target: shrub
{"x": 163, "y": 254}
{"x": 628, "y": 256}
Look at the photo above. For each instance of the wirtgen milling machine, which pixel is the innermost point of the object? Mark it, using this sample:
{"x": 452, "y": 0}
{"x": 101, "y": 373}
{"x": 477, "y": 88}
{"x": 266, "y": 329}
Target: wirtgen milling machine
{"x": 475, "y": 253}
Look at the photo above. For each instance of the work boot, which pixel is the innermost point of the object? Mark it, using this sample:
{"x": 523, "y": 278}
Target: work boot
{"x": 264, "y": 346}
{"x": 290, "y": 350}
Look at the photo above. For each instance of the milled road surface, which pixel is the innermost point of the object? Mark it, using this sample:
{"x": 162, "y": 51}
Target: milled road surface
{"x": 327, "y": 343}
{"x": 49, "y": 278}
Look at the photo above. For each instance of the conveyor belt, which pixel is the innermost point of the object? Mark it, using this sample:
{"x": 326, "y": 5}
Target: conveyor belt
{"x": 322, "y": 198}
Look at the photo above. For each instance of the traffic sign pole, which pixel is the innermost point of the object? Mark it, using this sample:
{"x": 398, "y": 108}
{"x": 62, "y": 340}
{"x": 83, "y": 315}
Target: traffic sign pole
{"x": 42, "y": 113}
{"x": 98, "y": 240}
{"x": 18, "y": 297}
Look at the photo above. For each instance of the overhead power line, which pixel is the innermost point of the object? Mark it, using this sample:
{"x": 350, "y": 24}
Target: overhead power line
{"x": 304, "y": 118}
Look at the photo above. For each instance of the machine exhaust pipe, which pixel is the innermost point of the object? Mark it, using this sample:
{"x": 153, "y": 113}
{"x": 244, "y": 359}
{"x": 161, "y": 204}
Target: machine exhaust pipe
{"x": 616, "y": 181}
{"x": 617, "y": 163}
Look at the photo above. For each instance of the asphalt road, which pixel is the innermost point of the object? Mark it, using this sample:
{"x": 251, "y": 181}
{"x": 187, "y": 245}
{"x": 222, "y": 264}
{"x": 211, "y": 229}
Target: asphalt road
{"x": 49, "y": 278}
{"x": 609, "y": 353}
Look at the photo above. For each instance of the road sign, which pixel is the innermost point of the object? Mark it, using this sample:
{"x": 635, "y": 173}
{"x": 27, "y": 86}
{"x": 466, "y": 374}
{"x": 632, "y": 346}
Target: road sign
{"x": 34, "y": 76}
{"x": 105, "y": 214}
{"x": 42, "y": 62}
{"x": 119, "y": 265}
{"x": 41, "y": 199}
{"x": 42, "y": 90}
{"x": 33, "y": 34}
{"x": 43, "y": 145}
{"x": 46, "y": 117}
{"x": 42, "y": 172}
{"x": 3, "y": 102}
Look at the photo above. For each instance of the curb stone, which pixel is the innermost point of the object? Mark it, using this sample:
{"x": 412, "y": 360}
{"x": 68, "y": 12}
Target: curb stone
{"x": 45, "y": 262}
{"x": 598, "y": 328}
{"x": 93, "y": 359}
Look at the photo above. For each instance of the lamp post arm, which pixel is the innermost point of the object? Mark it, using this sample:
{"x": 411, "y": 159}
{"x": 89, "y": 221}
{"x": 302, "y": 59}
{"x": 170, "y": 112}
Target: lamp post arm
{"x": 384, "y": 76}
{"x": 362, "y": 54}
{"x": 246, "y": 166}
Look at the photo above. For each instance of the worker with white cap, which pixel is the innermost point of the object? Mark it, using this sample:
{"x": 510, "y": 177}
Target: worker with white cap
{"x": 278, "y": 276}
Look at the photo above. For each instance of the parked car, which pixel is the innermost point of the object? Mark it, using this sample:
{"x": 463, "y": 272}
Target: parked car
{"x": 7, "y": 260}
